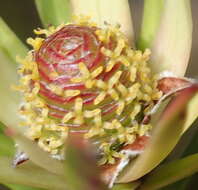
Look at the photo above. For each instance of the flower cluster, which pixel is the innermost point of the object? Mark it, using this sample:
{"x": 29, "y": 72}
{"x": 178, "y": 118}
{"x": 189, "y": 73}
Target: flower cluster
{"x": 82, "y": 79}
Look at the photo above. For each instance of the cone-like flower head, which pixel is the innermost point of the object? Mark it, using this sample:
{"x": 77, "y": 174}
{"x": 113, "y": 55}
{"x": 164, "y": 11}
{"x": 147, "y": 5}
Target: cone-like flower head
{"x": 82, "y": 79}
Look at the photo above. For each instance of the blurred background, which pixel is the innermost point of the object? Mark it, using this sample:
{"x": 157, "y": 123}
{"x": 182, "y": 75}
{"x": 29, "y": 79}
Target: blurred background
{"x": 22, "y": 17}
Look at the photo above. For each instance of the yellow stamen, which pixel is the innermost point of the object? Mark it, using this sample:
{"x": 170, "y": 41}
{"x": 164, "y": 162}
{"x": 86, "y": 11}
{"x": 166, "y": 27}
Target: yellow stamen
{"x": 133, "y": 72}
{"x": 101, "y": 84}
{"x": 71, "y": 93}
{"x": 113, "y": 94}
{"x": 97, "y": 72}
{"x": 120, "y": 108}
{"x": 100, "y": 98}
{"x": 98, "y": 120}
{"x": 67, "y": 117}
{"x": 119, "y": 48}
{"x": 56, "y": 89}
{"x": 91, "y": 113}
{"x": 35, "y": 43}
{"x": 122, "y": 89}
{"x": 89, "y": 83}
{"x": 136, "y": 110}
{"x": 78, "y": 106}
{"x": 114, "y": 79}
{"x": 84, "y": 70}
{"x": 110, "y": 65}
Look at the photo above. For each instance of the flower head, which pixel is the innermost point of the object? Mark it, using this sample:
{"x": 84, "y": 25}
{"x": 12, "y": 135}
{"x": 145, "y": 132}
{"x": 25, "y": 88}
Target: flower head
{"x": 84, "y": 79}
{"x": 85, "y": 88}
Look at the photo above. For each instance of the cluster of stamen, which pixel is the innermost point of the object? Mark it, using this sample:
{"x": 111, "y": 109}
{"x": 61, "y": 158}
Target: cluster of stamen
{"x": 83, "y": 79}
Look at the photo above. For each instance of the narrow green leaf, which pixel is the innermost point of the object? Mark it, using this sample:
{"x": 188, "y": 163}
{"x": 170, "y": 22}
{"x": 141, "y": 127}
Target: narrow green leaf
{"x": 169, "y": 173}
{"x": 30, "y": 175}
{"x": 21, "y": 187}
{"x": 172, "y": 44}
{"x": 165, "y": 135}
{"x": 181, "y": 185}
{"x": 151, "y": 19}
{"x": 109, "y": 11}
{"x": 81, "y": 170}
{"x": 9, "y": 43}
{"x": 53, "y": 12}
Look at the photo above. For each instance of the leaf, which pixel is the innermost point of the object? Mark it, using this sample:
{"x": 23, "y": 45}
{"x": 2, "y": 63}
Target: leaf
{"x": 127, "y": 186}
{"x": 181, "y": 184}
{"x": 172, "y": 44}
{"x": 187, "y": 183}
{"x": 192, "y": 148}
{"x": 38, "y": 156}
{"x": 6, "y": 146}
{"x": 81, "y": 170}
{"x": 191, "y": 112}
{"x": 10, "y": 46}
{"x": 171, "y": 172}
{"x": 9, "y": 43}
{"x": 53, "y": 12}
{"x": 165, "y": 135}
{"x": 112, "y": 11}
{"x": 30, "y": 175}
{"x": 21, "y": 187}
{"x": 186, "y": 143}
{"x": 150, "y": 22}
{"x": 10, "y": 100}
